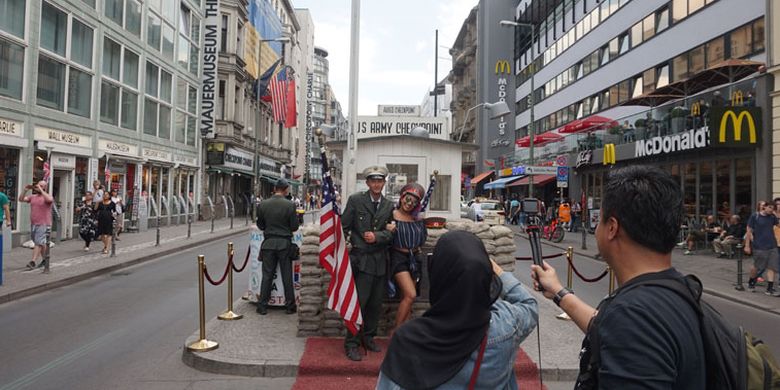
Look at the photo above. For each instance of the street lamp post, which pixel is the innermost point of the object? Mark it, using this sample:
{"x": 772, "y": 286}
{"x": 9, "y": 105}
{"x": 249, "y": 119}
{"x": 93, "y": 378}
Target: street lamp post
{"x": 530, "y": 102}
{"x": 497, "y": 110}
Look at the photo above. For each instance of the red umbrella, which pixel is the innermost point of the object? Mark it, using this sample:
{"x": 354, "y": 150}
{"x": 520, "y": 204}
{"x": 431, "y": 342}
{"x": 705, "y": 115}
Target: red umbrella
{"x": 539, "y": 139}
{"x": 590, "y": 123}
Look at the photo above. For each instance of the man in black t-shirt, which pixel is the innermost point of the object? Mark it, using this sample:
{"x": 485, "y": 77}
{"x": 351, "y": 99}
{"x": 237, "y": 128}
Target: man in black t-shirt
{"x": 644, "y": 337}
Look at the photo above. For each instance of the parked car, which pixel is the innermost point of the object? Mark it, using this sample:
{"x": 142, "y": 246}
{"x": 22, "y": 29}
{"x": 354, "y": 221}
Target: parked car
{"x": 489, "y": 211}
{"x": 464, "y": 208}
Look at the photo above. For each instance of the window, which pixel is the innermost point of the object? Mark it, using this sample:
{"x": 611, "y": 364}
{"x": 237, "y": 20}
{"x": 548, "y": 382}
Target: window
{"x": 11, "y": 69}
{"x": 119, "y": 100}
{"x": 679, "y": 10}
{"x": 680, "y": 67}
{"x": 741, "y": 41}
{"x": 186, "y": 107}
{"x": 662, "y": 20}
{"x": 696, "y": 63}
{"x": 188, "y": 51}
{"x": 758, "y": 36}
{"x": 624, "y": 91}
{"x": 638, "y": 83}
{"x": 624, "y": 44}
{"x": 153, "y": 31}
{"x": 614, "y": 48}
{"x": 649, "y": 27}
{"x": 167, "y": 41}
{"x": 636, "y": 34}
{"x": 649, "y": 81}
{"x": 695, "y": 5}
{"x": 157, "y": 109}
{"x": 223, "y": 35}
{"x": 715, "y": 51}
{"x": 64, "y": 75}
{"x": 12, "y": 17}
{"x": 114, "y": 10}
{"x": 133, "y": 17}
{"x": 663, "y": 76}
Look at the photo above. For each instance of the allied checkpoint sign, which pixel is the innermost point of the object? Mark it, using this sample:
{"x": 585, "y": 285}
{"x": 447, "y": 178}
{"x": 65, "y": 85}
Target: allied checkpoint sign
{"x": 383, "y": 126}
{"x": 256, "y": 270}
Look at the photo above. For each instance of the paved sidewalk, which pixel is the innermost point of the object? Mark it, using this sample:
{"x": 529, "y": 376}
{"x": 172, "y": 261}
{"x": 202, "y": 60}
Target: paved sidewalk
{"x": 718, "y": 275}
{"x": 70, "y": 264}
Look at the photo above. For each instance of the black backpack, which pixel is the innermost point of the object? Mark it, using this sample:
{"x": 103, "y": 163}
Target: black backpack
{"x": 735, "y": 360}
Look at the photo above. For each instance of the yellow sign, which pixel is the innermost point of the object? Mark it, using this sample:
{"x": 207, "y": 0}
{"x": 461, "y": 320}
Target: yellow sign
{"x": 736, "y": 120}
{"x": 251, "y": 51}
{"x": 696, "y": 109}
{"x": 609, "y": 154}
{"x": 506, "y": 172}
{"x": 737, "y": 99}
{"x": 502, "y": 66}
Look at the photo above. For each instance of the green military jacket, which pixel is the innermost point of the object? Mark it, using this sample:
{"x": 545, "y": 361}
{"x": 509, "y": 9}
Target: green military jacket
{"x": 359, "y": 217}
{"x": 277, "y": 219}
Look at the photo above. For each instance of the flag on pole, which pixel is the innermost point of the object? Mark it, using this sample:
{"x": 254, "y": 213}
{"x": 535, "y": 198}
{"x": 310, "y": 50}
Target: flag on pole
{"x": 46, "y": 171}
{"x": 261, "y": 85}
{"x": 342, "y": 295}
{"x": 278, "y": 89}
{"x": 107, "y": 173}
{"x": 291, "y": 117}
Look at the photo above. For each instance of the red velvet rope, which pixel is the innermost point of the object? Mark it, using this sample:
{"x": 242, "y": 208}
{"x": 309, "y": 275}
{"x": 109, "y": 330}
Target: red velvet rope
{"x": 222, "y": 279}
{"x": 584, "y": 279}
{"x": 543, "y": 257}
{"x": 246, "y": 261}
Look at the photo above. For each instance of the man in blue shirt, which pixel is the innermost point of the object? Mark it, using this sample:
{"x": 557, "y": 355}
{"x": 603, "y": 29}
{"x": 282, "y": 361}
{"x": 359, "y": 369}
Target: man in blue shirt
{"x": 760, "y": 241}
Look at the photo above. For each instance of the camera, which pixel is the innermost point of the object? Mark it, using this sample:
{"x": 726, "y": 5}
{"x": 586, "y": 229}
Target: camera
{"x": 531, "y": 206}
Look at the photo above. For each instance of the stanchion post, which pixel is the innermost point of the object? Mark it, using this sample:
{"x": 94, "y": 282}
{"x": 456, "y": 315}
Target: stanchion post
{"x": 229, "y": 315}
{"x": 47, "y": 251}
{"x": 611, "y": 280}
{"x": 202, "y": 345}
{"x": 212, "y": 220}
{"x": 570, "y": 260}
{"x": 739, "y": 286}
{"x": 584, "y": 236}
{"x": 158, "y": 230}
{"x": 189, "y": 225}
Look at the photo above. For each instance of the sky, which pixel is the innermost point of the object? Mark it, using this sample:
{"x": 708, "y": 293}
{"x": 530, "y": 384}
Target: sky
{"x": 397, "y": 41}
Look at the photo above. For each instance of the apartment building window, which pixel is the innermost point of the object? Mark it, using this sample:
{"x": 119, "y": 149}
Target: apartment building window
{"x": 157, "y": 103}
{"x": 66, "y": 54}
{"x": 224, "y": 34}
{"x": 189, "y": 32}
{"x": 715, "y": 51}
{"x": 12, "y": 22}
{"x": 126, "y": 13}
{"x": 680, "y": 67}
{"x": 679, "y": 10}
{"x": 741, "y": 41}
{"x": 663, "y": 76}
{"x": 91, "y": 3}
{"x": 119, "y": 86}
{"x": 186, "y": 108}
{"x": 696, "y": 61}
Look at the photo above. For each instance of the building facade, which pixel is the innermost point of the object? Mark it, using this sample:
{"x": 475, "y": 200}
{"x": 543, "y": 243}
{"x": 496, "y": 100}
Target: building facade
{"x": 101, "y": 90}
{"x": 667, "y": 83}
{"x": 250, "y": 150}
{"x": 463, "y": 77}
{"x": 773, "y": 61}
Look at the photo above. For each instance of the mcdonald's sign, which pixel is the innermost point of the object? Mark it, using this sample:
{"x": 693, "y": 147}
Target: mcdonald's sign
{"x": 609, "y": 154}
{"x": 502, "y": 66}
{"x": 736, "y": 127}
{"x": 737, "y": 98}
{"x": 696, "y": 109}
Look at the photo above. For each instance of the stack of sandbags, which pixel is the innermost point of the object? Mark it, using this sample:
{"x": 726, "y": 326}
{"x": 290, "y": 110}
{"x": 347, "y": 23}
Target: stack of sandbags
{"x": 310, "y": 313}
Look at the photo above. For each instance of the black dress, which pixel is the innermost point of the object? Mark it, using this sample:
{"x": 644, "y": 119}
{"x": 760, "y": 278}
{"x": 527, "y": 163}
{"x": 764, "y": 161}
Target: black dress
{"x": 105, "y": 217}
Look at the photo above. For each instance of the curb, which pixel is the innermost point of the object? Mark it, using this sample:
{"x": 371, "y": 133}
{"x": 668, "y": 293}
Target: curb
{"x": 263, "y": 368}
{"x": 101, "y": 271}
{"x": 709, "y": 291}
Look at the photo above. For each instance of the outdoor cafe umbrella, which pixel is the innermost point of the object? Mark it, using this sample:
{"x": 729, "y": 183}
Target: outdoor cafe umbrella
{"x": 591, "y": 123}
{"x": 540, "y": 139}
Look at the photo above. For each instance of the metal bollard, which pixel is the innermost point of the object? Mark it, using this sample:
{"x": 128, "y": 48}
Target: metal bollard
{"x": 158, "y": 231}
{"x": 739, "y": 286}
{"x": 189, "y": 225}
{"x": 202, "y": 345}
{"x": 47, "y": 251}
{"x": 611, "y": 280}
{"x": 212, "y": 221}
{"x": 229, "y": 315}
{"x": 584, "y": 236}
{"x": 232, "y": 213}
{"x": 569, "y": 279}
{"x": 113, "y": 241}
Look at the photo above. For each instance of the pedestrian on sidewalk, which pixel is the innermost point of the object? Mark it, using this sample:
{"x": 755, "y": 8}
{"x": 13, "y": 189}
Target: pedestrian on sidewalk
{"x": 5, "y": 220}
{"x": 761, "y": 243}
{"x": 40, "y": 218}
{"x": 87, "y": 220}
{"x": 97, "y": 190}
{"x": 105, "y": 211}
{"x": 278, "y": 220}
{"x": 119, "y": 216}
{"x": 365, "y": 220}
{"x": 479, "y": 315}
{"x": 729, "y": 237}
{"x": 576, "y": 211}
{"x": 646, "y": 337}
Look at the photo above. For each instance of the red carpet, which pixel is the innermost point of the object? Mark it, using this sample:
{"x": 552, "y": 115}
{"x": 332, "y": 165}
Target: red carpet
{"x": 324, "y": 367}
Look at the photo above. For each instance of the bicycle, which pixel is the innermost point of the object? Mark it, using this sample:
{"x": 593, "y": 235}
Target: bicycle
{"x": 554, "y": 231}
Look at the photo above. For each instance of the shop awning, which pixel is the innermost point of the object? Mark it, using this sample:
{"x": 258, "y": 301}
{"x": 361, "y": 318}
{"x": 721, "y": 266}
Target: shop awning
{"x": 481, "y": 177}
{"x": 538, "y": 180}
{"x": 501, "y": 183}
{"x": 229, "y": 171}
{"x": 294, "y": 183}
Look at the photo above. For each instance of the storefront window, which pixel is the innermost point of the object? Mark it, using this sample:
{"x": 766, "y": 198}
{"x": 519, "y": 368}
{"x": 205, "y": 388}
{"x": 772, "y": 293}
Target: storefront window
{"x": 723, "y": 189}
{"x": 743, "y": 188}
{"x": 81, "y": 186}
{"x": 9, "y": 178}
{"x": 705, "y": 189}
{"x": 165, "y": 191}
{"x": 689, "y": 189}
{"x": 155, "y": 188}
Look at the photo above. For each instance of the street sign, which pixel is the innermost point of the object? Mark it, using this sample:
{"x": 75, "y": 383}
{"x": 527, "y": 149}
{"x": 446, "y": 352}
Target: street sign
{"x": 562, "y": 173}
{"x": 541, "y": 170}
{"x": 562, "y": 160}
{"x": 563, "y": 184}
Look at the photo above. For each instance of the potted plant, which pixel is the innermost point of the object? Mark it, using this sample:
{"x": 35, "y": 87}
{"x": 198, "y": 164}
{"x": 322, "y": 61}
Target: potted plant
{"x": 678, "y": 119}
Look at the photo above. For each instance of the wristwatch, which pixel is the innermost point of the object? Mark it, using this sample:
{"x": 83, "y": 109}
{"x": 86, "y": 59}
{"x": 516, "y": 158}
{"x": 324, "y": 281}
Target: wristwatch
{"x": 560, "y": 294}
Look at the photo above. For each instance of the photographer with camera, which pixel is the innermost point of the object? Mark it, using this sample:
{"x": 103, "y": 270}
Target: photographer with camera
{"x": 40, "y": 218}
{"x": 646, "y": 337}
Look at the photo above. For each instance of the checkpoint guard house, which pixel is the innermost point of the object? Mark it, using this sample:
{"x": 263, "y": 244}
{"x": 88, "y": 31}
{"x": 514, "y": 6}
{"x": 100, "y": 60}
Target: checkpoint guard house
{"x": 409, "y": 157}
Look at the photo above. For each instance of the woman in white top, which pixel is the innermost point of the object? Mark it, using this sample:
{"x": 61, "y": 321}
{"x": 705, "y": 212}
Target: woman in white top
{"x": 119, "y": 217}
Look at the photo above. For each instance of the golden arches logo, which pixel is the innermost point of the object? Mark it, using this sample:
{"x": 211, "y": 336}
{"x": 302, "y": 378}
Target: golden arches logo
{"x": 696, "y": 109}
{"x": 736, "y": 120}
{"x": 737, "y": 98}
{"x": 609, "y": 154}
{"x": 502, "y": 66}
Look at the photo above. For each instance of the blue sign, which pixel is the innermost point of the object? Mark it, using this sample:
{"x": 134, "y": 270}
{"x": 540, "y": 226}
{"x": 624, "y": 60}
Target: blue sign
{"x": 563, "y": 174}
{"x": 516, "y": 171}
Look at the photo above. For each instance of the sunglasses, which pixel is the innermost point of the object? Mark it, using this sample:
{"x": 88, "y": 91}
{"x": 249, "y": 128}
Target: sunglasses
{"x": 411, "y": 200}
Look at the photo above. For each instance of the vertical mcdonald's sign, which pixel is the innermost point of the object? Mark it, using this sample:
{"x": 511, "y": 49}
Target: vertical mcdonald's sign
{"x": 735, "y": 127}
{"x": 503, "y": 66}
{"x": 609, "y": 154}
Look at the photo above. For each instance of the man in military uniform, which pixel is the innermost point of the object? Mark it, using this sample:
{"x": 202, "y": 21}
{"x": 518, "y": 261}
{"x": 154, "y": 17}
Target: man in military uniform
{"x": 277, "y": 219}
{"x": 365, "y": 221}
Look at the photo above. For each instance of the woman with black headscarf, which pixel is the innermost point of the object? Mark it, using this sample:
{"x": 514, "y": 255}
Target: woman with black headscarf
{"x": 469, "y": 337}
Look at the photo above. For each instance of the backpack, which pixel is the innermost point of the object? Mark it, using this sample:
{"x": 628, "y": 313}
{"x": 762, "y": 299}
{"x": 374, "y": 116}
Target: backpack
{"x": 733, "y": 357}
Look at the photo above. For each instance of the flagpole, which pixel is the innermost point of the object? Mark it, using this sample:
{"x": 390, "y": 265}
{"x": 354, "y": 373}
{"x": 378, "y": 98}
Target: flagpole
{"x": 349, "y": 178}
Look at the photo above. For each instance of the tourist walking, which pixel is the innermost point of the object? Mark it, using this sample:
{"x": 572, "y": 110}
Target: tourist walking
{"x": 105, "y": 211}
{"x": 87, "y": 220}
{"x": 40, "y": 219}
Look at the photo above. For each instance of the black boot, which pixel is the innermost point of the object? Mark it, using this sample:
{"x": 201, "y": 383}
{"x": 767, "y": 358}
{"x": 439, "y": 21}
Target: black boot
{"x": 353, "y": 354}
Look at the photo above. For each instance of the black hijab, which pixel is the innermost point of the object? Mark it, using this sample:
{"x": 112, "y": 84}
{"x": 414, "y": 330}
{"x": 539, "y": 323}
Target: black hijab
{"x": 428, "y": 351}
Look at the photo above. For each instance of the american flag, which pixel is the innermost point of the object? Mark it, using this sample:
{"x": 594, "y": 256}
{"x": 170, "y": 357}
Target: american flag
{"x": 46, "y": 171}
{"x": 107, "y": 173}
{"x": 278, "y": 90}
{"x": 342, "y": 295}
